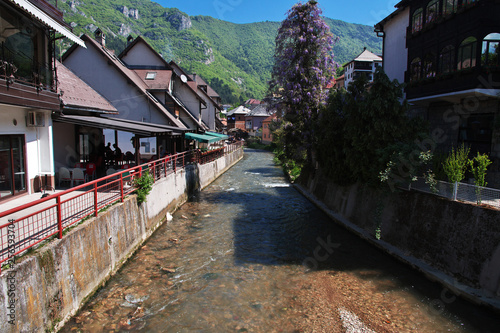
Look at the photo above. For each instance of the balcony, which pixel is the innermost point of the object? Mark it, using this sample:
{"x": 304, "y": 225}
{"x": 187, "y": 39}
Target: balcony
{"x": 24, "y": 83}
{"x": 470, "y": 79}
{"x": 363, "y": 66}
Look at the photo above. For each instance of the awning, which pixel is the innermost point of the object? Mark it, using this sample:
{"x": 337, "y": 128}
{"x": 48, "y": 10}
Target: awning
{"x": 175, "y": 130}
{"x": 142, "y": 129}
{"x": 201, "y": 137}
{"x": 218, "y": 135}
{"x": 40, "y": 15}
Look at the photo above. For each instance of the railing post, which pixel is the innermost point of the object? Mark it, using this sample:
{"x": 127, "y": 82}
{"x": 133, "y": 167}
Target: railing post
{"x": 154, "y": 171}
{"x": 121, "y": 187}
{"x": 95, "y": 200}
{"x": 455, "y": 191}
{"x": 59, "y": 217}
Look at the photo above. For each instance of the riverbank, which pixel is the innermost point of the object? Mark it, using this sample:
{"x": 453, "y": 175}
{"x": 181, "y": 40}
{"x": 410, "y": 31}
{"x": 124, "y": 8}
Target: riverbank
{"x": 453, "y": 243}
{"x": 251, "y": 254}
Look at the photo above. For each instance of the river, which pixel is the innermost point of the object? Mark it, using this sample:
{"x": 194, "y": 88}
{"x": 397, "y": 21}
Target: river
{"x": 250, "y": 254}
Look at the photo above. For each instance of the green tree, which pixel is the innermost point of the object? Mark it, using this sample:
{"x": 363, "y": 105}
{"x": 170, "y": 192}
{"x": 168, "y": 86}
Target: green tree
{"x": 478, "y": 166}
{"x": 455, "y": 165}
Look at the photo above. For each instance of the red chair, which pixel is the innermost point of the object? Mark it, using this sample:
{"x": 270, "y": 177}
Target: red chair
{"x": 90, "y": 171}
{"x": 79, "y": 165}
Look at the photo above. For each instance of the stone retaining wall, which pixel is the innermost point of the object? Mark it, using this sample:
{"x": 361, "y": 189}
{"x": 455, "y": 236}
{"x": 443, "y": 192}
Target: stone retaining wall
{"x": 455, "y": 243}
{"x": 56, "y": 280}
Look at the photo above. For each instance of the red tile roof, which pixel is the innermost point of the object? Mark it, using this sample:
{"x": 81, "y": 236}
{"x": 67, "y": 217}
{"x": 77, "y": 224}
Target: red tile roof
{"x": 161, "y": 80}
{"x": 253, "y": 101}
{"x": 77, "y": 94}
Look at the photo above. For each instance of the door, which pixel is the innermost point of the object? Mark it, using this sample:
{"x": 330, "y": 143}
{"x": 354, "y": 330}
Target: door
{"x": 12, "y": 165}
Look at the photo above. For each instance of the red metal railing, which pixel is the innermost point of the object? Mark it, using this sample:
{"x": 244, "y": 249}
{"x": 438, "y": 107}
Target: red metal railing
{"x": 32, "y": 223}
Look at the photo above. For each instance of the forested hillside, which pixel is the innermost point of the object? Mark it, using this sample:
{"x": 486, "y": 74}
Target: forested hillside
{"x": 236, "y": 59}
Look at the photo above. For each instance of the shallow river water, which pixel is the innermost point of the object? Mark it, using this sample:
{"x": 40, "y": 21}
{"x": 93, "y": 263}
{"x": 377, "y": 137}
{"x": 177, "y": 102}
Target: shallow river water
{"x": 245, "y": 256}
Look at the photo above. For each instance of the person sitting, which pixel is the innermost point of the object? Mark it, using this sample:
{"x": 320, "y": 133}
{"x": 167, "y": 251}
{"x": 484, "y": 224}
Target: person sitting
{"x": 118, "y": 154}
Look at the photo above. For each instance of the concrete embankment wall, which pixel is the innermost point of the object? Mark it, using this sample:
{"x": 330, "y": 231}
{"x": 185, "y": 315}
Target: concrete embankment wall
{"x": 456, "y": 243}
{"x": 52, "y": 283}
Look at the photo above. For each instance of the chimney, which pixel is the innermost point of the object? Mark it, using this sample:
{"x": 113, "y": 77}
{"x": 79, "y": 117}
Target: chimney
{"x": 100, "y": 37}
{"x": 129, "y": 39}
{"x": 194, "y": 77}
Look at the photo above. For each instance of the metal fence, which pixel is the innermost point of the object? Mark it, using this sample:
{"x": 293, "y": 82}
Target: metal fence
{"x": 28, "y": 225}
{"x": 460, "y": 191}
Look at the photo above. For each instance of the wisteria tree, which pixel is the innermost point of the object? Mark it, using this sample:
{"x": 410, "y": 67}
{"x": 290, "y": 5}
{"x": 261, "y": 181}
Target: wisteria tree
{"x": 302, "y": 70}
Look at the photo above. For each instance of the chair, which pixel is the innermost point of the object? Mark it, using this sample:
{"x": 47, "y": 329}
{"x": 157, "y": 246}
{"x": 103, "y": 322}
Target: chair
{"x": 90, "y": 171}
{"x": 110, "y": 171}
{"x": 77, "y": 176}
{"x": 79, "y": 165}
{"x": 64, "y": 176}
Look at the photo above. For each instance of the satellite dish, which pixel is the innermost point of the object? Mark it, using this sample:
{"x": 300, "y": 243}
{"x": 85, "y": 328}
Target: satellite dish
{"x": 184, "y": 78}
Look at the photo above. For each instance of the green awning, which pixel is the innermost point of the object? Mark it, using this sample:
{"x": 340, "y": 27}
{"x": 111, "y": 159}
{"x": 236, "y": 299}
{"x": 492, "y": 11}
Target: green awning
{"x": 201, "y": 137}
{"x": 219, "y": 135}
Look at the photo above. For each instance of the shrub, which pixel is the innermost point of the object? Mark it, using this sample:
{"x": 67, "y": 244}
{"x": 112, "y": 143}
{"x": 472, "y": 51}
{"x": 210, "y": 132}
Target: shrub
{"x": 456, "y": 163}
{"x": 144, "y": 186}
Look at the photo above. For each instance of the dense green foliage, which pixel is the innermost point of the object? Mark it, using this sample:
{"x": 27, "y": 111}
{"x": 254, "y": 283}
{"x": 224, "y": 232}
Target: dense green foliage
{"x": 478, "y": 166}
{"x": 362, "y": 132}
{"x": 235, "y": 58}
{"x": 455, "y": 165}
{"x": 144, "y": 186}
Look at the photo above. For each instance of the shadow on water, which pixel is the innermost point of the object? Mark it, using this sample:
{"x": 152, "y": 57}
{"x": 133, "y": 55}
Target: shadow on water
{"x": 276, "y": 225}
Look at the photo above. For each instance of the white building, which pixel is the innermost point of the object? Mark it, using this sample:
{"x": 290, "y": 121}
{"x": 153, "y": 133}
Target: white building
{"x": 364, "y": 64}
{"x": 395, "y": 53}
{"x": 28, "y": 94}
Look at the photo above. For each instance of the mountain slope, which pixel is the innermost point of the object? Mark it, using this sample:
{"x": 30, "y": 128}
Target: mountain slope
{"x": 236, "y": 59}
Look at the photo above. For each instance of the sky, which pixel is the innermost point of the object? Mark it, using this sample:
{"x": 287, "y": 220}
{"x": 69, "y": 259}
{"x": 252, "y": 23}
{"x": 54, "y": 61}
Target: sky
{"x": 367, "y": 12}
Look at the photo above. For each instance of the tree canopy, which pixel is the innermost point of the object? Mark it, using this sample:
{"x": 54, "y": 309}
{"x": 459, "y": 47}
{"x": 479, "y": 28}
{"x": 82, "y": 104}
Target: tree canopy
{"x": 303, "y": 67}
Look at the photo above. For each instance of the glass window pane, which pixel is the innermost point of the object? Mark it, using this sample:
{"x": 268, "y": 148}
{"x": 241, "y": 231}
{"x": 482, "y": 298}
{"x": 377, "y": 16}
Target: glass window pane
{"x": 5, "y": 167}
{"x": 18, "y": 164}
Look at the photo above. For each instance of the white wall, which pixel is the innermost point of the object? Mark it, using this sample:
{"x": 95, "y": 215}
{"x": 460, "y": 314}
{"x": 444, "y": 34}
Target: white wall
{"x": 38, "y": 140}
{"x": 208, "y": 114}
{"x": 395, "y": 51}
{"x": 188, "y": 98}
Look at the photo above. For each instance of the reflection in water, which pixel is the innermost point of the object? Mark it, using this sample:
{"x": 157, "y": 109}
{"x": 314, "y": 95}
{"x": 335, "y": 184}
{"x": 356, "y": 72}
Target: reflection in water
{"x": 235, "y": 258}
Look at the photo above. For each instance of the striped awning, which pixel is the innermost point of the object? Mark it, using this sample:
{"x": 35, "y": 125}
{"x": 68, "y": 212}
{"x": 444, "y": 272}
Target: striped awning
{"x": 44, "y": 18}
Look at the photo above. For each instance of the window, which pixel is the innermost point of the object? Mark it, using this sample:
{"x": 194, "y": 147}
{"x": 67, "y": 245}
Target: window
{"x": 447, "y": 59}
{"x": 12, "y": 165}
{"x": 432, "y": 11}
{"x": 415, "y": 69}
{"x": 150, "y": 75}
{"x": 467, "y": 53}
{"x": 417, "y": 20}
{"x": 476, "y": 132}
{"x": 429, "y": 69}
{"x": 449, "y": 7}
{"x": 490, "y": 51}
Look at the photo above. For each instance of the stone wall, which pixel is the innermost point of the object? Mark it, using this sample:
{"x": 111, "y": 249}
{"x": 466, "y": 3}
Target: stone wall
{"x": 453, "y": 242}
{"x": 52, "y": 283}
